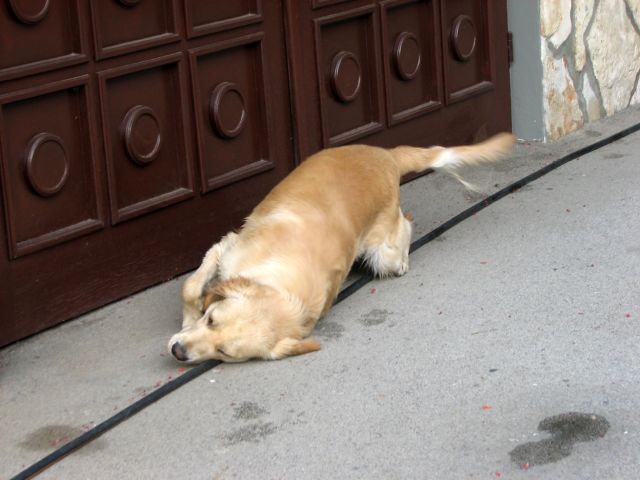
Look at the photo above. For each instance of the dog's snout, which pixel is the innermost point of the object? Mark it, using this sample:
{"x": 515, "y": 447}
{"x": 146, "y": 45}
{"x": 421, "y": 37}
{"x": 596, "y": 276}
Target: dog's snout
{"x": 178, "y": 351}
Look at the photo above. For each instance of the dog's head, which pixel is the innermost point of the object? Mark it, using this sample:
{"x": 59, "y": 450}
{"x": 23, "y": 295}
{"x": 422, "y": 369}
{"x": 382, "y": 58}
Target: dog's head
{"x": 242, "y": 320}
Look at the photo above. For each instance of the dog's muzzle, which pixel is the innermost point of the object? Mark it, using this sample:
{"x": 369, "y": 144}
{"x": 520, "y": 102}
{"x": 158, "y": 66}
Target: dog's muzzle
{"x": 178, "y": 351}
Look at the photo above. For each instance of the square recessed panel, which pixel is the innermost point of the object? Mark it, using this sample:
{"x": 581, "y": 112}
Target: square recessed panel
{"x": 349, "y": 75}
{"x": 230, "y": 101}
{"x": 39, "y": 35}
{"x": 205, "y": 16}
{"x": 467, "y": 48}
{"x": 144, "y": 120}
{"x": 48, "y": 166}
{"x": 411, "y": 48}
{"x": 124, "y": 26}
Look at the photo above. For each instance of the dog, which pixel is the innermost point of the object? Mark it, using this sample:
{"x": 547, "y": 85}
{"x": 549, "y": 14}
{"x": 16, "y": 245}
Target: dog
{"x": 260, "y": 291}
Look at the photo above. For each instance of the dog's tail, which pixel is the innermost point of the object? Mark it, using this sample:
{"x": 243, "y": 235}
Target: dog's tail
{"x": 450, "y": 160}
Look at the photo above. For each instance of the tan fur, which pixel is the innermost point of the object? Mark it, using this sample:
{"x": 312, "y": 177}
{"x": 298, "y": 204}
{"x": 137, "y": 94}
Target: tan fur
{"x": 260, "y": 292}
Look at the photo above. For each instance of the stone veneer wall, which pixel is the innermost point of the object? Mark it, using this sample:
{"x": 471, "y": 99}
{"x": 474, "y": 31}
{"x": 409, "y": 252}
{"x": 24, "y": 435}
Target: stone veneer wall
{"x": 590, "y": 61}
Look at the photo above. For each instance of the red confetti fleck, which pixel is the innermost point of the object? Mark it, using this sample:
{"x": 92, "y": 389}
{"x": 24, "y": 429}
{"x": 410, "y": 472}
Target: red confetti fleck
{"x": 498, "y": 474}
{"x": 486, "y": 407}
{"x": 373, "y": 290}
{"x": 483, "y": 262}
{"x": 58, "y": 441}
{"x": 181, "y": 370}
{"x": 524, "y": 466}
{"x": 628, "y": 315}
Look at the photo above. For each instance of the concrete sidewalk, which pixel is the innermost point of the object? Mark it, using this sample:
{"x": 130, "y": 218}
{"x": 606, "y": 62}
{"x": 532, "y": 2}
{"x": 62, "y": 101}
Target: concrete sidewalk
{"x": 527, "y": 310}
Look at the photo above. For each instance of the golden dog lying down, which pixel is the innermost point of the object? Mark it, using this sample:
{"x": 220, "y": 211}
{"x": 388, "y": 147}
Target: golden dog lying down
{"x": 260, "y": 292}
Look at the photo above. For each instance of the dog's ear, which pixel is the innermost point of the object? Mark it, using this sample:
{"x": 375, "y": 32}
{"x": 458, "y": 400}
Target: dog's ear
{"x": 288, "y": 347}
{"x": 229, "y": 288}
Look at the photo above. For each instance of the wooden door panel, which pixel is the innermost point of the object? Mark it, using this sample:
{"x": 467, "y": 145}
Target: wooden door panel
{"x": 40, "y": 35}
{"x": 144, "y": 118}
{"x": 99, "y": 153}
{"x": 445, "y": 76}
{"x": 233, "y": 115}
{"x": 467, "y": 48}
{"x": 48, "y": 166}
{"x": 349, "y": 72}
{"x": 124, "y": 26}
{"x": 177, "y": 91}
{"x": 204, "y": 16}
{"x": 412, "y": 60}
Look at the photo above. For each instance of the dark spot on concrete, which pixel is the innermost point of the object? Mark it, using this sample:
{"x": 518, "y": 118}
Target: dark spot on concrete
{"x": 565, "y": 429}
{"x": 614, "y": 156}
{"x": 374, "y": 317}
{"x": 441, "y": 238}
{"x": 248, "y": 411}
{"x": 253, "y": 433}
{"x": 52, "y": 437}
{"x": 328, "y": 330}
{"x": 592, "y": 133}
{"x": 493, "y": 370}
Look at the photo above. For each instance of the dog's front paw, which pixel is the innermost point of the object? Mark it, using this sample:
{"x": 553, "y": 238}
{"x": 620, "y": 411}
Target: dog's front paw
{"x": 192, "y": 289}
{"x": 404, "y": 266}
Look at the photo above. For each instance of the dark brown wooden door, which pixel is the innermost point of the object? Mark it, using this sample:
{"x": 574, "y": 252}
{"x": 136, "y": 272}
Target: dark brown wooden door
{"x": 133, "y": 133}
{"x": 388, "y": 72}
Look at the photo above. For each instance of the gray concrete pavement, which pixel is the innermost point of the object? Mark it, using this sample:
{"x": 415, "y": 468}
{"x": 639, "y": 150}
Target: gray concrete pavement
{"x": 515, "y": 315}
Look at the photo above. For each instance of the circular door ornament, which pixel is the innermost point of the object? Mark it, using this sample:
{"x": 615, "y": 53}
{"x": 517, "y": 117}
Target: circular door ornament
{"x": 463, "y": 37}
{"x": 406, "y": 55}
{"x": 46, "y": 164}
{"x": 346, "y": 76}
{"x": 142, "y": 134}
{"x": 30, "y": 12}
{"x": 227, "y": 111}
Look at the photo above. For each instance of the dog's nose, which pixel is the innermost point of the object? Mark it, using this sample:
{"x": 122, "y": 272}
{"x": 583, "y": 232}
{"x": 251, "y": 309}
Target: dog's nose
{"x": 178, "y": 351}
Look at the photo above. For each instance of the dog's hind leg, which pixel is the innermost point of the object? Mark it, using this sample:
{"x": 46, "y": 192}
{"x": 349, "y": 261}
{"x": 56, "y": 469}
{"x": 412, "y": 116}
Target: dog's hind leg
{"x": 386, "y": 248}
{"x": 193, "y": 288}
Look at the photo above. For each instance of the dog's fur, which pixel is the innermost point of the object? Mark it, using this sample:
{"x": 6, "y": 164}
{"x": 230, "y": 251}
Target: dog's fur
{"x": 260, "y": 292}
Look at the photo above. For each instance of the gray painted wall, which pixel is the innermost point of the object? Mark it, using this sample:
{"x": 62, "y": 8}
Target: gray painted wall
{"x": 526, "y": 70}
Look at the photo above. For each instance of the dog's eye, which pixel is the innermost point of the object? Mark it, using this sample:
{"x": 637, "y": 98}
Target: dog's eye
{"x": 210, "y": 322}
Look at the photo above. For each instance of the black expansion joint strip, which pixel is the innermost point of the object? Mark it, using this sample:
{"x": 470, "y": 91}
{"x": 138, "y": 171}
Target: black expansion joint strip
{"x": 204, "y": 367}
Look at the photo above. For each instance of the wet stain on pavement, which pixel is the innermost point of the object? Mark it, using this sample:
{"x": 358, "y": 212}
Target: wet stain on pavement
{"x": 249, "y": 411}
{"x": 253, "y": 433}
{"x": 566, "y": 429}
{"x": 51, "y": 437}
{"x": 374, "y": 317}
{"x": 328, "y": 330}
